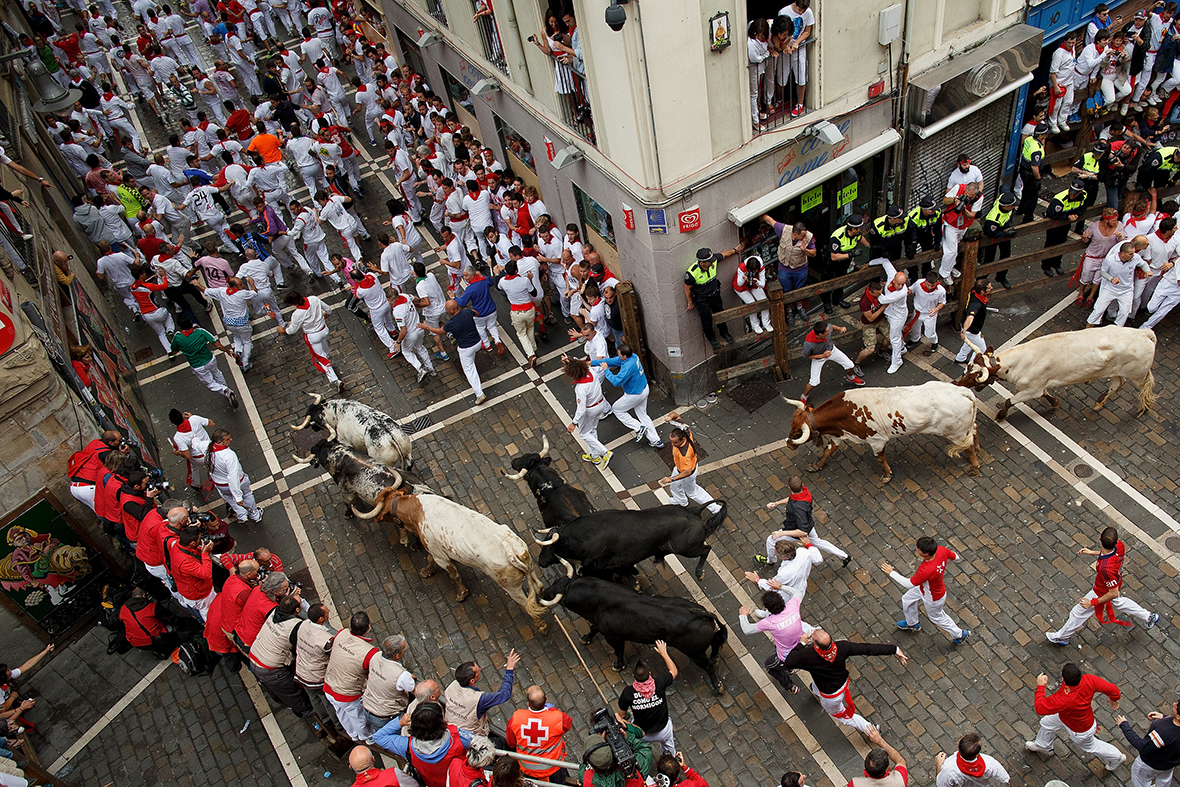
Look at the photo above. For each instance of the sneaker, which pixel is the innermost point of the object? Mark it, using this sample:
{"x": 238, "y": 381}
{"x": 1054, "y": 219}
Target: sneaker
{"x": 893, "y": 367}
{"x": 761, "y": 559}
{"x": 481, "y": 399}
{"x": 391, "y": 355}
{"x": 233, "y": 400}
{"x": 948, "y": 281}
{"x": 421, "y": 375}
{"x": 844, "y": 563}
{"x": 1034, "y": 746}
{"x": 901, "y": 624}
{"x": 1152, "y": 619}
{"x": 339, "y": 386}
{"x": 658, "y": 444}
{"x": 639, "y": 433}
{"x": 853, "y": 379}
{"x": 797, "y": 111}
{"x": 962, "y": 638}
{"x": 1062, "y": 642}
{"x": 1115, "y": 767}
{"x": 956, "y": 272}
{"x": 499, "y": 349}
{"x": 857, "y": 370}
{"x": 604, "y": 460}
{"x": 605, "y": 414}
{"x": 257, "y": 518}
{"x": 588, "y": 458}
{"x": 442, "y": 356}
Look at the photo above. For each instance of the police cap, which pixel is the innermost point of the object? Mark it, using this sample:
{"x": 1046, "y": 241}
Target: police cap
{"x": 893, "y": 212}
{"x": 1077, "y": 185}
{"x": 926, "y": 203}
{"x": 1007, "y": 200}
{"x": 855, "y": 222}
{"x": 1041, "y": 129}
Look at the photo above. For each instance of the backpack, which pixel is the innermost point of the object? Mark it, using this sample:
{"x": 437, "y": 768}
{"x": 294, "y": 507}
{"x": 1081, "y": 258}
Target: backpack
{"x": 117, "y": 643}
{"x": 1094, "y": 105}
{"x": 76, "y": 460}
{"x": 194, "y": 659}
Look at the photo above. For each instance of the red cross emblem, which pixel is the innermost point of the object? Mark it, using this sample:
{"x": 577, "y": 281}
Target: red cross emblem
{"x": 534, "y": 733}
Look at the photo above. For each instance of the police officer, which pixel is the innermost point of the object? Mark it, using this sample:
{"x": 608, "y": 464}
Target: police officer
{"x": 702, "y": 289}
{"x": 1030, "y": 171}
{"x": 841, "y": 246}
{"x": 997, "y": 225}
{"x": 923, "y": 228}
{"x": 1087, "y": 168}
{"x": 1065, "y": 206}
{"x": 888, "y": 234}
{"x": 1159, "y": 169}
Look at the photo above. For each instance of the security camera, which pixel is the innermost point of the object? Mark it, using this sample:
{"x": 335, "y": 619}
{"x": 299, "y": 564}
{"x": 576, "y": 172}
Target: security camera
{"x": 566, "y": 156}
{"x": 616, "y": 16}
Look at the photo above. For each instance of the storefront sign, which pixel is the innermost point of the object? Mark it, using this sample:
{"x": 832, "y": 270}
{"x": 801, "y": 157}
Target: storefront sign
{"x": 628, "y": 216}
{"x": 847, "y": 194}
{"x": 812, "y": 199}
{"x": 657, "y": 223}
{"x": 809, "y": 153}
{"x": 690, "y": 219}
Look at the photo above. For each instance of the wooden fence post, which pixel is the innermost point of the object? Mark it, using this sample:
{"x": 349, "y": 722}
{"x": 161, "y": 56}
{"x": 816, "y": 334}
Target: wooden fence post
{"x": 778, "y": 319}
{"x": 967, "y": 280}
{"x": 628, "y": 303}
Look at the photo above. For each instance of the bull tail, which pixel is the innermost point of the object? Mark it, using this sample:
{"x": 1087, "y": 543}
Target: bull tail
{"x": 716, "y": 520}
{"x": 1147, "y": 393}
{"x": 718, "y": 641}
{"x": 967, "y": 440}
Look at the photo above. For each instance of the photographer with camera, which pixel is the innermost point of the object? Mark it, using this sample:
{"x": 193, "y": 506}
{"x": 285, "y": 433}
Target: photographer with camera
{"x": 616, "y": 755}
{"x": 647, "y": 700}
{"x": 234, "y": 594}
{"x": 117, "y": 466}
{"x": 262, "y": 599}
{"x": 673, "y": 770}
{"x": 135, "y": 504}
{"x": 189, "y": 564}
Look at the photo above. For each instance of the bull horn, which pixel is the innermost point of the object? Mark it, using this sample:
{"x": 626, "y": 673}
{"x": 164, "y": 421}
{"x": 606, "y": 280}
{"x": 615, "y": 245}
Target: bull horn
{"x": 515, "y": 476}
{"x": 303, "y": 425}
{"x": 299, "y": 460}
{"x": 376, "y": 512}
{"x": 553, "y": 602}
{"x": 315, "y": 397}
{"x": 803, "y": 438}
{"x": 547, "y": 543}
{"x": 331, "y": 432}
{"x": 544, "y": 446}
{"x": 544, "y": 530}
{"x": 984, "y": 373}
{"x": 397, "y": 484}
{"x": 798, "y": 404}
{"x": 569, "y": 569}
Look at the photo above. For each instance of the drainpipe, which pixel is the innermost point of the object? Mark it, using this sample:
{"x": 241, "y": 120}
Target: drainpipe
{"x": 514, "y": 49}
{"x": 903, "y": 90}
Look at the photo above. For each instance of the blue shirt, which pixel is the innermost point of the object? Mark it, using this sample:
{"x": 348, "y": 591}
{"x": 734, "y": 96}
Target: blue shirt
{"x": 489, "y": 700}
{"x": 630, "y": 376}
{"x": 201, "y": 174}
{"x": 479, "y": 295}
{"x": 462, "y": 327}
{"x": 390, "y": 737}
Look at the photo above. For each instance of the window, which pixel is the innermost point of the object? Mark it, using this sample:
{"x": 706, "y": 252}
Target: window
{"x": 569, "y": 72}
{"x": 594, "y": 217}
{"x": 517, "y": 146}
{"x": 436, "y": 10}
{"x": 489, "y": 34}
{"x": 458, "y": 92}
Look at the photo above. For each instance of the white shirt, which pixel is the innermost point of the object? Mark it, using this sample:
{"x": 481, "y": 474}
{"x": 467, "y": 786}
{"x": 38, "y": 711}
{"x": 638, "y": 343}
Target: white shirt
{"x": 925, "y": 302}
{"x": 196, "y": 440}
{"x": 312, "y": 319}
{"x": 428, "y": 287}
{"x": 337, "y": 215}
{"x": 114, "y": 267}
{"x": 226, "y": 470}
{"x": 258, "y": 271}
{"x": 587, "y": 394}
{"x": 406, "y": 316}
{"x": 958, "y": 177}
{"x": 313, "y": 49}
{"x": 234, "y": 305}
{"x": 200, "y": 199}
{"x": 308, "y": 227}
{"x": 950, "y": 775}
{"x": 519, "y": 290}
{"x": 1062, "y": 65}
{"x": 1115, "y": 268}
{"x": 162, "y": 68}
{"x": 373, "y": 295}
{"x": 300, "y": 149}
{"x": 536, "y": 210}
{"x": 479, "y": 210}
{"x": 1160, "y": 251}
{"x": 268, "y": 178}
{"x": 395, "y": 260}
{"x": 366, "y": 99}
{"x": 454, "y": 205}
{"x": 527, "y": 265}
{"x": 794, "y": 573}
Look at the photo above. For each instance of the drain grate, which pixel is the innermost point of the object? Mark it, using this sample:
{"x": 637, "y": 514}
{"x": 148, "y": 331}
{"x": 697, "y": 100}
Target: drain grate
{"x": 143, "y": 355}
{"x": 752, "y": 394}
{"x": 417, "y": 425}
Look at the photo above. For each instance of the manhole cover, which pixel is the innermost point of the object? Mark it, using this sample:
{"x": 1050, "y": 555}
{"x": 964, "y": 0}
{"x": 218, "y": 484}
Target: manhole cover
{"x": 1083, "y": 471}
{"x": 143, "y": 355}
{"x": 1172, "y": 543}
{"x": 752, "y": 395}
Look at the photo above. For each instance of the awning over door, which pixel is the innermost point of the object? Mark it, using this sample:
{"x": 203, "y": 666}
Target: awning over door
{"x": 750, "y": 212}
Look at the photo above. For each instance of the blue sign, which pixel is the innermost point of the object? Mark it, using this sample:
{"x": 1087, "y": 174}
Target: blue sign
{"x": 657, "y": 222}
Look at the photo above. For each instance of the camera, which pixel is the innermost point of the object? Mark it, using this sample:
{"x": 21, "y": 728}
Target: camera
{"x": 604, "y": 722}
{"x": 156, "y": 482}
{"x": 206, "y": 517}
{"x": 532, "y": 39}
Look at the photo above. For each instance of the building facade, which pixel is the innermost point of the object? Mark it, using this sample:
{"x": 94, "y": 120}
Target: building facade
{"x": 654, "y": 151}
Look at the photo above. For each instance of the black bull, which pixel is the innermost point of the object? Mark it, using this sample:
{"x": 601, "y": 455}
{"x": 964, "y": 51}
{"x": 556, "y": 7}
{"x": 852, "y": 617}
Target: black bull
{"x": 623, "y": 615}
{"x": 612, "y": 542}
{"x": 558, "y": 502}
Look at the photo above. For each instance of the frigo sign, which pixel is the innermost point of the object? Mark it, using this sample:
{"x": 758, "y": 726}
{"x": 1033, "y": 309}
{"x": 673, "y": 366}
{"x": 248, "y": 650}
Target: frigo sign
{"x": 810, "y": 153}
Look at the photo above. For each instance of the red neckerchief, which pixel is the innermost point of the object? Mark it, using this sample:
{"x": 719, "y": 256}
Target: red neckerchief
{"x": 811, "y": 337}
{"x": 873, "y": 300}
{"x": 230, "y": 290}
{"x": 981, "y": 296}
{"x": 303, "y": 305}
{"x": 804, "y": 495}
{"x": 477, "y": 277}
{"x": 189, "y": 332}
{"x": 401, "y": 298}
{"x": 510, "y": 278}
{"x": 217, "y": 447}
{"x": 185, "y": 426}
{"x": 926, "y": 288}
{"x": 891, "y": 288}
{"x": 366, "y": 282}
{"x": 108, "y": 96}
{"x": 828, "y": 655}
{"x": 587, "y": 379}
{"x": 974, "y": 767}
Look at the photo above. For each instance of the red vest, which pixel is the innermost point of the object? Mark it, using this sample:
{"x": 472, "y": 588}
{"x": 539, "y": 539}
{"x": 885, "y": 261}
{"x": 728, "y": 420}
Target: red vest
{"x": 110, "y": 498}
{"x": 254, "y": 613}
{"x": 375, "y": 777}
{"x": 139, "y": 627}
{"x": 434, "y": 774}
{"x": 149, "y": 548}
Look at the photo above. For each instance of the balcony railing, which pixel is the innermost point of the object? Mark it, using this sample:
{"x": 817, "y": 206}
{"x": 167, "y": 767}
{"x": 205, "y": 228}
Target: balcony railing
{"x": 489, "y": 36}
{"x": 779, "y": 114}
{"x": 575, "y": 108}
{"x": 436, "y": 10}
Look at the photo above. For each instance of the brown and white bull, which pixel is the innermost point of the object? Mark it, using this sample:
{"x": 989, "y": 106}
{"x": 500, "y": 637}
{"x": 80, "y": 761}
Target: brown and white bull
{"x": 874, "y": 416}
{"x": 453, "y": 534}
{"x": 1069, "y": 358}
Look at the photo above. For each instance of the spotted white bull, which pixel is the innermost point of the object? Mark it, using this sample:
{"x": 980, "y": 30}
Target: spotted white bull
{"x": 1068, "y": 358}
{"x": 361, "y": 427}
{"x": 874, "y": 416}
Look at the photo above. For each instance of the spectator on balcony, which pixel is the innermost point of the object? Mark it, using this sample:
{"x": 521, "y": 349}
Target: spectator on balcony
{"x": 557, "y": 41}
{"x": 758, "y": 52}
{"x": 793, "y": 62}
{"x": 574, "y": 51}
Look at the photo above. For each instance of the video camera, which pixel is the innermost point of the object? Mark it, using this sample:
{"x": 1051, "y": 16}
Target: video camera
{"x": 156, "y": 481}
{"x": 604, "y": 722}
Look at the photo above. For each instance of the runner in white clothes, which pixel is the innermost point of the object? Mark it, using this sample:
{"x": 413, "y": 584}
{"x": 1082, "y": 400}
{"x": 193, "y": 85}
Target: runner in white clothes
{"x": 302, "y": 153}
{"x": 234, "y": 299}
{"x": 182, "y": 38}
{"x": 306, "y": 227}
{"x": 311, "y": 317}
{"x": 796, "y": 561}
{"x": 590, "y": 405}
{"x": 329, "y": 78}
{"x": 521, "y": 290}
{"x": 457, "y": 218}
{"x": 1166, "y": 295}
{"x": 927, "y": 585}
{"x": 366, "y": 101}
{"x": 403, "y": 227}
{"x": 258, "y": 276}
{"x": 368, "y": 288}
{"x": 432, "y": 301}
{"x": 410, "y": 337}
{"x": 230, "y": 479}
{"x": 477, "y": 203}
{"x": 1163, "y": 246}
{"x": 456, "y": 261}
{"x": 929, "y": 300}
{"x": 896, "y": 297}
{"x": 334, "y": 210}
{"x": 115, "y": 110}
{"x": 1118, "y": 283}
{"x": 200, "y": 202}
{"x": 114, "y": 268}
{"x": 190, "y": 441}
{"x": 270, "y": 180}
{"x": 797, "y": 523}
{"x": 395, "y": 261}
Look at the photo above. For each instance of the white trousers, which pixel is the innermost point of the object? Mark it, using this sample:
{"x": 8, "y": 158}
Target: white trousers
{"x": 487, "y": 327}
{"x": 835, "y": 705}
{"x": 467, "y": 361}
{"x": 950, "y": 248}
{"x": 750, "y": 296}
{"x": 588, "y": 430}
{"x": 755, "y": 75}
{"x": 382, "y": 320}
{"x": 822, "y": 544}
{"x": 1144, "y": 288}
{"x": 838, "y": 356}
{"x": 934, "y": 611}
{"x": 285, "y": 254}
{"x": 663, "y": 736}
{"x": 241, "y": 510}
{"x": 925, "y": 324}
{"x": 201, "y": 607}
{"x": 1061, "y": 111}
{"x": 896, "y": 339}
{"x": 415, "y": 352}
{"x": 966, "y": 351}
{"x": 1160, "y": 304}
{"x": 1051, "y": 725}
{"x": 1106, "y": 296}
{"x": 319, "y": 343}
{"x": 243, "y": 336}
{"x": 1079, "y": 614}
{"x": 317, "y": 251}
{"x": 123, "y": 126}
{"x": 125, "y": 295}
{"x": 83, "y": 493}
{"x": 640, "y": 420}
{"x": 522, "y": 323}
{"x": 686, "y": 489}
{"x": 313, "y": 177}
{"x": 1144, "y": 76}
{"x": 161, "y": 322}
{"x": 1142, "y": 776}
{"x": 210, "y": 375}
{"x": 351, "y": 716}
{"x": 265, "y": 303}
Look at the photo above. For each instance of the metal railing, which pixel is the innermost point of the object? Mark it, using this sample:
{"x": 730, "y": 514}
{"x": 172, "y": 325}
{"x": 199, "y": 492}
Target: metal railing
{"x": 575, "y": 109}
{"x": 436, "y": 10}
{"x": 782, "y": 115}
{"x": 489, "y": 38}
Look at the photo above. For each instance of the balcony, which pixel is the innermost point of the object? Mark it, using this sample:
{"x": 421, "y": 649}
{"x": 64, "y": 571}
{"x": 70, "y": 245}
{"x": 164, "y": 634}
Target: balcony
{"x": 489, "y": 35}
{"x": 436, "y": 10}
{"x": 575, "y": 105}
